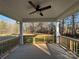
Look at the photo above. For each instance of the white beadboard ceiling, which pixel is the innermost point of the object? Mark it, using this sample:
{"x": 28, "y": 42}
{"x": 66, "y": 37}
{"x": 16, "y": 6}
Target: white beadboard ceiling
{"x": 20, "y": 9}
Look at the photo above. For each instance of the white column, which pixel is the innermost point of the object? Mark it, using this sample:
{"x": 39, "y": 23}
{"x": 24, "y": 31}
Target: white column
{"x": 57, "y": 32}
{"x": 21, "y": 33}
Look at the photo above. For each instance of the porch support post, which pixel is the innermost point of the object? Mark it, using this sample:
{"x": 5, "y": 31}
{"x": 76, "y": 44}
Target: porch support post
{"x": 21, "y": 33}
{"x": 62, "y": 26}
{"x": 57, "y": 33}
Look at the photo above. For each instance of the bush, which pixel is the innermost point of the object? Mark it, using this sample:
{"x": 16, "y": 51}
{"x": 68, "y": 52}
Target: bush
{"x": 28, "y": 39}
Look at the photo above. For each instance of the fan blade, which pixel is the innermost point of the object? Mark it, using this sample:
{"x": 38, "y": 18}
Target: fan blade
{"x": 30, "y": 2}
{"x": 33, "y": 12}
{"x": 44, "y": 8}
{"x": 41, "y": 14}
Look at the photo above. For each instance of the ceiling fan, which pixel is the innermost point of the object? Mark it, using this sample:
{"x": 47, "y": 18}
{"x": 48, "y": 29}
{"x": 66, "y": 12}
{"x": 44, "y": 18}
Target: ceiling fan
{"x": 37, "y": 8}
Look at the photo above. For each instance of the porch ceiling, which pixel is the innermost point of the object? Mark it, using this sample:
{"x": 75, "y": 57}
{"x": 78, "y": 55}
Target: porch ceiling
{"x": 20, "y": 9}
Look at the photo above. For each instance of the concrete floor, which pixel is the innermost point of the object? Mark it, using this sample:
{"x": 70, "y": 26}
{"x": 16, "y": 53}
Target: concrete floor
{"x": 30, "y": 51}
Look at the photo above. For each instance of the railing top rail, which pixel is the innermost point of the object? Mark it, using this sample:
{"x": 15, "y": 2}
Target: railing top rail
{"x": 7, "y": 40}
{"x": 70, "y": 38}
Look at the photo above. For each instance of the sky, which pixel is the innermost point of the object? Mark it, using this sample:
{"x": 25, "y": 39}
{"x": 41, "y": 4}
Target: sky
{"x": 69, "y": 19}
{"x": 7, "y": 19}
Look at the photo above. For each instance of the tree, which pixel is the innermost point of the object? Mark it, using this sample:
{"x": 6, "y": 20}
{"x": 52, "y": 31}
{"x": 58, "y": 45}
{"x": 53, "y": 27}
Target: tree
{"x": 3, "y": 27}
{"x": 52, "y": 28}
{"x": 16, "y": 28}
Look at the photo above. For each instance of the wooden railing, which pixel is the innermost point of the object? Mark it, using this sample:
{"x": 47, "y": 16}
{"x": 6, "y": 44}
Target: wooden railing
{"x": 7, "y": 45}
{"x": 32, "y": 39}
{"x": 70, "y": 44}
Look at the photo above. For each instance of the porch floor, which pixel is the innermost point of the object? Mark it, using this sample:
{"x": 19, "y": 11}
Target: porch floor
{"x": 29, "y": 51}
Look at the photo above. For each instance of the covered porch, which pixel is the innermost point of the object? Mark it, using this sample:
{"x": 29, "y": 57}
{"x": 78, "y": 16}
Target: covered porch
{"x": 60, "y": 9}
